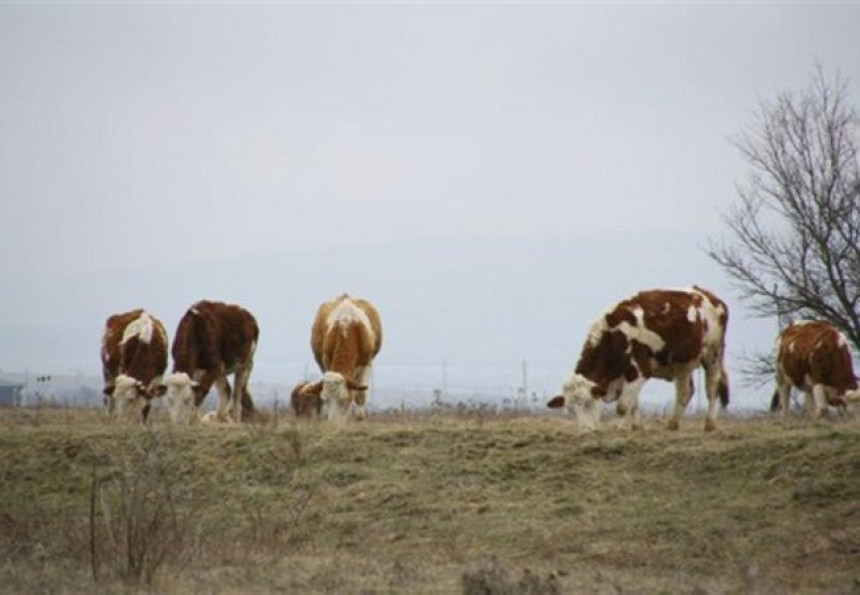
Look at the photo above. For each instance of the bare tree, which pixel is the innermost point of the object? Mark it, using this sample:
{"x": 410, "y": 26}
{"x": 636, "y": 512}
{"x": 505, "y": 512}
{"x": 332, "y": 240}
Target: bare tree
{"x": 794, "y": 247}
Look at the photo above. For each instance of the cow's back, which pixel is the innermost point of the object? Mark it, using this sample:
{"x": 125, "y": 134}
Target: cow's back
{"x": 660, "y": 330}
{"x": 212, "y": 334}
{"x": 143, "y": 348}
{"x": 323, "y": 336}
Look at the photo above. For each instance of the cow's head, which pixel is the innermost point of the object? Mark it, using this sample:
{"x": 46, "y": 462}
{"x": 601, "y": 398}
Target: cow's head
{"x": 128, "y": 398}
{"x": 182, "y": 397}
{"x": 336, "y": 393}
{"x": 581, "y": 396}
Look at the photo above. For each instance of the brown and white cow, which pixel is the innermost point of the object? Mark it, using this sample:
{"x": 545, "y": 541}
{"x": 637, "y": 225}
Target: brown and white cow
{"x": 305, "y": 404}
{"x": 814, "y": 358}
{"x": 134, "y": 357}
{"x": 662, "y": 333}
{"x": 345, "y": 337}
{"x": 213, "y": 340}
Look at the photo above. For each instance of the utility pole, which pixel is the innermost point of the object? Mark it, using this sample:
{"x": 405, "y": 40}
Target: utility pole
{"x": 525, "y": 377}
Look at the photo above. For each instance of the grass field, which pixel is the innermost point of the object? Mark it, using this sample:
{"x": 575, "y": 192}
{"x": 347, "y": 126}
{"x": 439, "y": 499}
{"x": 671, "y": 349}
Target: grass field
{"x": 424, "y": 503}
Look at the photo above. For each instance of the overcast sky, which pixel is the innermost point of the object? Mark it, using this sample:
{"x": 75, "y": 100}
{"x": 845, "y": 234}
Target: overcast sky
{"x": 148, "y": 135}
{"x": 131, "y": 134}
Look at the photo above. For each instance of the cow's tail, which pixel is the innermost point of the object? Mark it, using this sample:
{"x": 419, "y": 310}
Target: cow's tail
{"x": 774, "y": 401}
{"x": 723, "y": 387}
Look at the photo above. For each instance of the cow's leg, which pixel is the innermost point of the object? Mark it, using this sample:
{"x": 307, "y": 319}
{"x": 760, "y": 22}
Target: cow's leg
{"x": 243, "y": 373}
{"x": 683, "y": 392}
{"x": 359, "y": 397}
{"x": 713, "y": 380}
{"x": 628, "y": 404}
{"x": 819, "y": 398}
{"x": 224, "y": 396}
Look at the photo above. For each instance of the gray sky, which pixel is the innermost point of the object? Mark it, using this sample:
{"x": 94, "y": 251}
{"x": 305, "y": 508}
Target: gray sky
{"x": 129, "y": 133}
{"x": 142, "y": 136}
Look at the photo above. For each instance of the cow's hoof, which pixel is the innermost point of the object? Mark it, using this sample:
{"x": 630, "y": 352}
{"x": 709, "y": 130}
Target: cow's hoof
{"x": 710, "y": 425}
{"x": 673, "y": 425}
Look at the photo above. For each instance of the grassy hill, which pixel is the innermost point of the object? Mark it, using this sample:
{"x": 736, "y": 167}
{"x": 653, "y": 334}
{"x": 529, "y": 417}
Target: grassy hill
{"x": 427, "y": 504}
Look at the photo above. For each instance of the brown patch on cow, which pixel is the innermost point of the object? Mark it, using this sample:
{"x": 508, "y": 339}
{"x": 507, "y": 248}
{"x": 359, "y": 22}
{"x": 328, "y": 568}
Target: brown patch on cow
{"x": 556, "y": 402}
{"x": 631, "y": 374}
{"x": 622, "y": 313}
{"x": 606, "y": 360}
{"x": 643, "y": 356}
{"x": 111, "y": 338}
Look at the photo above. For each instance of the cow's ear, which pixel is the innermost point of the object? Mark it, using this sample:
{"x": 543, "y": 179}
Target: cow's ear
{"x": 597, "y": 392}
{"x": 108, "y": 390}
{"x": 556, "y": 402}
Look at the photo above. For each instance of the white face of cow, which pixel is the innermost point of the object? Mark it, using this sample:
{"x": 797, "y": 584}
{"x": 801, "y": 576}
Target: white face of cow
{"x": 180, "y": 398}
{"x": 578, "y": 395}
{"x": 335, "y": 396}
{"x": 129, "y": 398}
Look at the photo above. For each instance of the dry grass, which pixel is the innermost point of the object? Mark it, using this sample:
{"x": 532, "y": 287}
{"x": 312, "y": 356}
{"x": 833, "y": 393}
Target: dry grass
{"x": 429, "y": 503}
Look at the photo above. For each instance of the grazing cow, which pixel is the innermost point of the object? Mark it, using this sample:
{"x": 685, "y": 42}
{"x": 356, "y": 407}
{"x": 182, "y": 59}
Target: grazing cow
{"x": 814, "y": 358}
{"x": 212, "y": 340}
{"x": 345, "y": 337}
{"x": 305, "y": 404}
{"x": 134, "y": 357}
{"x": 662, "y": 333}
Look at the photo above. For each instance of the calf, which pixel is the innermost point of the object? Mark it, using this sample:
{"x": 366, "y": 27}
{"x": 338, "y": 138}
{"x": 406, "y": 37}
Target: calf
{"x": 213, "y": 340}
{"x": 345, "y": 337}
{"x": 662, "y": 333}
{"x": 305, "y": 404}
{"x": 814, "y": 358}
{"x": 134, "y": 357}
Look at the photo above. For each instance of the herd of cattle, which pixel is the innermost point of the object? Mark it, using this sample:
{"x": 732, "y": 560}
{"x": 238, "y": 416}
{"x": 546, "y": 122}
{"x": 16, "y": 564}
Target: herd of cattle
{"x": 662, "y": 333}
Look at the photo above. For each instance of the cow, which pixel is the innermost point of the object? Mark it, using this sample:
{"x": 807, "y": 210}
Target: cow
{"x": 661, "y": 333}
{"x": 213, "y": 340}
{"x": 134, "y": 357}
{"x": 305, "y": 404}
{"x": 345, "y": 337}
{"x": 813, "y": 357}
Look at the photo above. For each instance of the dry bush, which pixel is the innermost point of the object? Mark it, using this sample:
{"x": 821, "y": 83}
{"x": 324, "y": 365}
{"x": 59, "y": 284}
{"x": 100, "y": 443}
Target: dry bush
{"x": 144, "y": 513}
{"x": 493, "y": 578}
